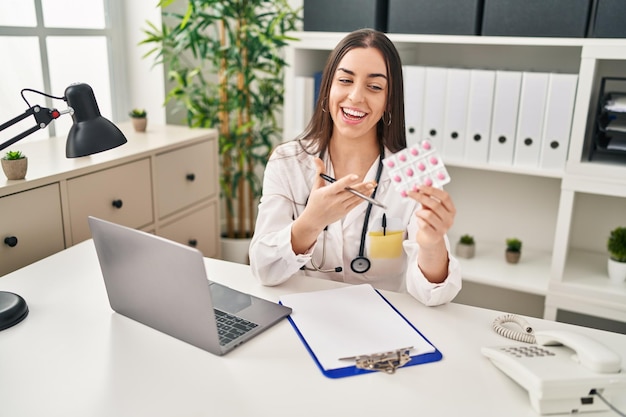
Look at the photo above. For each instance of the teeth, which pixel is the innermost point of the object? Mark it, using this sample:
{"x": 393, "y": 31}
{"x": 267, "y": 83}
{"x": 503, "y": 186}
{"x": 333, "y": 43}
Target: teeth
{"x": 354, "y": 113}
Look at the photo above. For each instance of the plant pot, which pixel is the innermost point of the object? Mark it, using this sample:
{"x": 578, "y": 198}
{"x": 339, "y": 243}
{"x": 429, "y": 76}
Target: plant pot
{"x": 15, "y": 169}
{"x": 617, "y": 271}
{"x": 140, "y": 124}
{"x": 235, "y": 250}
{"x": 463, "y": 250}
{"x": 512, "y": 257}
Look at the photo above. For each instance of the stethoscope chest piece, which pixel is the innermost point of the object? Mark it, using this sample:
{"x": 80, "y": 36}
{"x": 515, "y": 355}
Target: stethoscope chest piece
{"x": 360, "y": 264}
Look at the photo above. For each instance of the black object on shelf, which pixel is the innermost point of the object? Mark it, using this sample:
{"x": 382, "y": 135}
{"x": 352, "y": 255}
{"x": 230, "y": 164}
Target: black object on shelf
{"x": 554, "y": 18}
{"x": 607, "y": 19}
{"x": 609, "y": 135}
{"x": 344, "y": 15}
{"x": 441, "y": 17}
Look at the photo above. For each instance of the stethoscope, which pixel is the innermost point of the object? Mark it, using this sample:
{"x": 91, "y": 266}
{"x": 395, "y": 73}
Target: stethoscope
{"x": 361, "y": 263}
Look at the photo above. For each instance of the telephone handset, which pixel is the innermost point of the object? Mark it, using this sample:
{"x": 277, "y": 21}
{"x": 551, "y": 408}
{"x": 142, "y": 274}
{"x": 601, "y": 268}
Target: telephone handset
{"x": 563, "y": 371}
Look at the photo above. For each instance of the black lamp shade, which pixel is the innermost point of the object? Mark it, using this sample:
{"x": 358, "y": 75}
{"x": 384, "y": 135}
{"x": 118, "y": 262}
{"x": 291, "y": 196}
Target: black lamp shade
{"x": 91, "y": 133}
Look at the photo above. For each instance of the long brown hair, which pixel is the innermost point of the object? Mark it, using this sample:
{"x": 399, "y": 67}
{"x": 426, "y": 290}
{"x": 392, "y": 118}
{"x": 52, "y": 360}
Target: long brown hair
{"x": 391, "y": 128}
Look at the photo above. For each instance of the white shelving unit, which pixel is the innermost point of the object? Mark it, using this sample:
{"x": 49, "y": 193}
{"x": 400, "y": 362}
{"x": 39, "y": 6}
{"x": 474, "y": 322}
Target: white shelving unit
{"x": 563, "y": 217}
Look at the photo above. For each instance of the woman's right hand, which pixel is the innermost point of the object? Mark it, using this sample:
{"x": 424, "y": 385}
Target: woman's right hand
{"x": 327, "y": 203}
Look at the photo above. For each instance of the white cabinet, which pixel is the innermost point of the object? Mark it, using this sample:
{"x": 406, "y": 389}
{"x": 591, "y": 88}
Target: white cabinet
{"x": 562, "y": 215}
{"x": 163, "y": 181}
{"x": 31, "y": 227}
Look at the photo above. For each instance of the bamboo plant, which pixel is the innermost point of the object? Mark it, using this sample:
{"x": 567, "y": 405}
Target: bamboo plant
{"x": 224, "y": 60}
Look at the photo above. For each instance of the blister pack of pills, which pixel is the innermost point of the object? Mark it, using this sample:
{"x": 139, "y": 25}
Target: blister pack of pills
{"x": 415, "y": 166}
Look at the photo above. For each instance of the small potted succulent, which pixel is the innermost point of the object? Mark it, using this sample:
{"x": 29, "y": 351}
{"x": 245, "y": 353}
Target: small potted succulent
{"x": 14, "y": 165}
{"x": 513, "y": 250}
{"x": 616, "y": 246}
{"x": 139, "y": 118}
{"x": 465, "y": 247}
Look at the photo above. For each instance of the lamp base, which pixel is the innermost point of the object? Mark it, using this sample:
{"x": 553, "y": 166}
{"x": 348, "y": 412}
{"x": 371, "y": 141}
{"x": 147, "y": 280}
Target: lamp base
{"x": 13, "y": 309}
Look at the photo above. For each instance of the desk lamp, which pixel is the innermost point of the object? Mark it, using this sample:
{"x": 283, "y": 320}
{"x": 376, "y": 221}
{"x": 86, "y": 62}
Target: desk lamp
{"x": 90, "y": 133}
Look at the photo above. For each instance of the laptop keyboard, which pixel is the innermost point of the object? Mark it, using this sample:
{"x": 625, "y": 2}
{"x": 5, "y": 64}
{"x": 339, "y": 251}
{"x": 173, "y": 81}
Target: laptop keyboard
{"x": 230, "y": 327}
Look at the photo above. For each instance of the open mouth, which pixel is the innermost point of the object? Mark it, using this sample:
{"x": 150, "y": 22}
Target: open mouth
{"x": 353, "y": 114}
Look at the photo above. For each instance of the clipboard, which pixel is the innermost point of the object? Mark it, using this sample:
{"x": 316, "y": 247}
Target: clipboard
{"x": 355, "y": 330}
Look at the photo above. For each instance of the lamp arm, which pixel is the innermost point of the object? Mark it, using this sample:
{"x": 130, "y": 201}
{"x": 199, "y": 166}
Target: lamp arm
{"x": 43, "y": 116}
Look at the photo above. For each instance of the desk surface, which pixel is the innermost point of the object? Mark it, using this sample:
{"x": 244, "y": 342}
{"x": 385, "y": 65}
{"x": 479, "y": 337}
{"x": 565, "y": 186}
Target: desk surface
{"x": 73, "y": 356}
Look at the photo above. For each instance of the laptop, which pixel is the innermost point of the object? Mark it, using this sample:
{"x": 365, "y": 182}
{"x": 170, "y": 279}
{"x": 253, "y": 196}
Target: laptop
{"x": 164, "y": 285}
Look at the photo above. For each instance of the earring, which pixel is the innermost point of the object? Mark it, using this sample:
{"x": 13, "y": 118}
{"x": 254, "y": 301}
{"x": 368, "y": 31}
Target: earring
{"x": 387, "y": 122}
{"x": 324, "y": 100}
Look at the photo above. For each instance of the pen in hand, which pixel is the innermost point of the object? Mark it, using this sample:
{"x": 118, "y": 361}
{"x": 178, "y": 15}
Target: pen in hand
{"x": 355, "y": 192}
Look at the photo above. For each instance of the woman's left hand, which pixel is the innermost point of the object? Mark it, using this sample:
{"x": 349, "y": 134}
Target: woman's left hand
{"x": 435, "y": 217}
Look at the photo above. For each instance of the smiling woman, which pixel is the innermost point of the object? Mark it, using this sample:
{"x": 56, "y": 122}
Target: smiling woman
{"x": 308, "y": 226}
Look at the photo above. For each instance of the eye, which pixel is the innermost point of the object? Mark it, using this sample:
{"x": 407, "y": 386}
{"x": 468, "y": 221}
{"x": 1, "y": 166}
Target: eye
{"x": 376, "y": 87}
{"x": 343, "y": 80}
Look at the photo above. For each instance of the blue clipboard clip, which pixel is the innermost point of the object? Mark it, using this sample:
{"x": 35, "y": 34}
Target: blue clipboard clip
{"x": 385, "y": 361}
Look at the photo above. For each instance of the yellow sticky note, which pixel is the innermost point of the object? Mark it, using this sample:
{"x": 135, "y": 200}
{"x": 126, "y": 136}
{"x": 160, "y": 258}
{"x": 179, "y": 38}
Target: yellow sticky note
{"x": 386, "y": 246}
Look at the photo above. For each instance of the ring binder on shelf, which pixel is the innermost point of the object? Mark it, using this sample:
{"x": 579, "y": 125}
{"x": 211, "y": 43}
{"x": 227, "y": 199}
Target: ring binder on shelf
{"x": 387, "y": 361}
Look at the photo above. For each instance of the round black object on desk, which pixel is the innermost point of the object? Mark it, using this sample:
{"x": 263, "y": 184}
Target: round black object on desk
{"x": 13, "y": 309}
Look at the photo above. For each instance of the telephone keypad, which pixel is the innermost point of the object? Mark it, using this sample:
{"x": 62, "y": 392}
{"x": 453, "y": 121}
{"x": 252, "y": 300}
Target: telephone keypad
{"x": 530, "y": 351}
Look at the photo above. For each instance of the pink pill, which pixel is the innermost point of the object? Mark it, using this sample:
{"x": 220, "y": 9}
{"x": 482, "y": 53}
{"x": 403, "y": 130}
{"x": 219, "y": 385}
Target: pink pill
{"x": 403, "y": 193}
{"x": 414, "y": 152}
{"x": 397, "y": 178}
{"x": 409, "y": 172}
{"x": 421, "y": 166}
{"x": 426, "y": 145}
{"x": 402, "y": 157}
{"x": 433, "y": 160}
{"x": 441, "y": 176}
{"x": 428, "y": 181}
{"x": 391, "y": 164}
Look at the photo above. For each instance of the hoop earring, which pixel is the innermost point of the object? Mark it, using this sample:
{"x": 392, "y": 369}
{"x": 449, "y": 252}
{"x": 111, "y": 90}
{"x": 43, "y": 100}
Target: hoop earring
{"x": 324, "y": 100}
{"x": 388, "y": 122}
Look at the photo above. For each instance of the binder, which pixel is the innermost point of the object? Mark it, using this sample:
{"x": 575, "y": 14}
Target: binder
{"x": 434, "y": 105}
{"x": 530, "y": 119}
{"x": 479, "y": 111}
{"x": 413, "y": 76}
{"x": 504, "y": 119}
{"x": 455, "y": 119}
{"x": 354, "y": 330}
{"x": 304, "y": 93}
{"x": 558, "y": 120}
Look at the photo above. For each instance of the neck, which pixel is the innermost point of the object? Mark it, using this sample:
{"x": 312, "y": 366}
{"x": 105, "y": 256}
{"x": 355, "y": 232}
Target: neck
{"x": 353, "y": 157}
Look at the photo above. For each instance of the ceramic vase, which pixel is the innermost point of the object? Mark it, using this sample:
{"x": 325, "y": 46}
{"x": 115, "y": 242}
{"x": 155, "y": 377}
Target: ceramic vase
{"x": 463, "y": 250}
{"x": 15, "y": 169}
{"x": 617, "y": 271}
{"x": 140, "y": 124}
{"x": 512, "y": 257}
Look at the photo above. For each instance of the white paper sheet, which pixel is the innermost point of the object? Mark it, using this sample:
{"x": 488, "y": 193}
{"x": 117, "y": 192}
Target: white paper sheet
{"x": 351, "y": 321}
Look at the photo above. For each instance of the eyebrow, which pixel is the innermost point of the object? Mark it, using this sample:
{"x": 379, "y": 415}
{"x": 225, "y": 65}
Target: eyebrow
{"x": 373, "y": 75}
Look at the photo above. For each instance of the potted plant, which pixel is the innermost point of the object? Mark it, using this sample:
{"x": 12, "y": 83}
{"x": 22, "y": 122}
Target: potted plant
{"x": 14, "y": 165}
{"x": 616, "y": 245}
{"x": 139, "y": 118}
{"x": 513, "y": 250}
{"x": 224, "y": 60}
{"x": 466, "y": 248}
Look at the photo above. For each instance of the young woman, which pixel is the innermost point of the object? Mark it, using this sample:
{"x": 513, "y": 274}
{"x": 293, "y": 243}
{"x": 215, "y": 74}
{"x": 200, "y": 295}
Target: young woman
{"x": 312, "y": 226}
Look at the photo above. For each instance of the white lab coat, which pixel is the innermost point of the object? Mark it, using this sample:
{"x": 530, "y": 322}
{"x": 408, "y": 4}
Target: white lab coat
{"x": 287, "y": 183}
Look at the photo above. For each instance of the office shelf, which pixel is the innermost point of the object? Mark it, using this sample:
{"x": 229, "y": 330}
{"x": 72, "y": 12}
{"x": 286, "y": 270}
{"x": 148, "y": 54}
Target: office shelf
{"x": 563, "y": 216}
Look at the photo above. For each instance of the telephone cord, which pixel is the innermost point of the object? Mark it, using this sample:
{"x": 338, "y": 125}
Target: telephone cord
{"x": 526, "y": 336}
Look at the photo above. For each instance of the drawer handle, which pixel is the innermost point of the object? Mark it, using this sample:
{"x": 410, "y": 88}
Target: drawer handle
{"x": 10, "y": 241}
{"x": 117, "y": 203}
{"x": 191, "y": 177}
{"x": 193, "y": 243}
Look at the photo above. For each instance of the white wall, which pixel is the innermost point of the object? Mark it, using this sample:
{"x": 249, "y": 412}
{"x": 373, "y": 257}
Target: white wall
{"x": 146, "y": 82}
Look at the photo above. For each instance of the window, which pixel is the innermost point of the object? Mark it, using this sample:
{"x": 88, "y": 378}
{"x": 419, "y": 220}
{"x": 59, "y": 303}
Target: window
{"x": 47, "y": 45}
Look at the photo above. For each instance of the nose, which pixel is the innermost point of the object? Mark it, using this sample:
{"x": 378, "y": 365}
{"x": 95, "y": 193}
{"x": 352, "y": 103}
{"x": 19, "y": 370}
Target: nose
{"x": 356, "y": 94}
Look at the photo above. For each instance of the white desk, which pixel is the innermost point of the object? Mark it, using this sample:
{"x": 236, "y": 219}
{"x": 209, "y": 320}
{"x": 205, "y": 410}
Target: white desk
{"x": 73, "y": 356}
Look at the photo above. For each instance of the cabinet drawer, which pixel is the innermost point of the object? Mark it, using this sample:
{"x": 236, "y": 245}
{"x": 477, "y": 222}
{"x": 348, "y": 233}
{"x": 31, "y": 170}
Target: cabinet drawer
{"x": 31, "y": 227}
{"x": 199, "y": 230}
{"x": 185, "y": 176}
{"x": 122, "y": 195}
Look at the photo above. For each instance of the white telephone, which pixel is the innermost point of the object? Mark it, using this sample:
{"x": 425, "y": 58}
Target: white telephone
{"x": 564, "y": 372}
